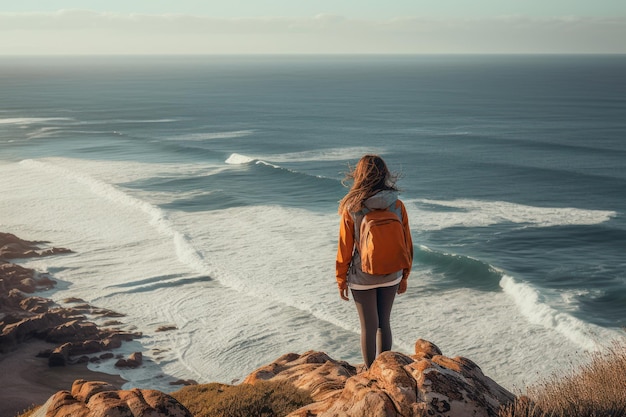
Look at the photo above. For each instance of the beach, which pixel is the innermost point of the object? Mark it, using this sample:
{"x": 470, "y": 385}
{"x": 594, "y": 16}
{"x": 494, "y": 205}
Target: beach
{"x": 27, "y": 380}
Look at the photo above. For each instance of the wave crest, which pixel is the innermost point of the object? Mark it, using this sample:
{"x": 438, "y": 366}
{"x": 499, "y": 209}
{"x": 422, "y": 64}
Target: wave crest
{"x": 529, "y": 302}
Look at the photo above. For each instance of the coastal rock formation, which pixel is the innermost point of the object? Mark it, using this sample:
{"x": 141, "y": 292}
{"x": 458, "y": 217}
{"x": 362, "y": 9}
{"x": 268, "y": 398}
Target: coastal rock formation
{"x": 23, "y": 317}
{"x": 424, "y": 384}
{"x": 88, "y": 399}
{"x": 12, "y": 247}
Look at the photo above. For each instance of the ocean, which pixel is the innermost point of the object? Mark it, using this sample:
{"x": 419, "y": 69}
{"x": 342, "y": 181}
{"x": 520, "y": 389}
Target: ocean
{"x": 201, "y": 193}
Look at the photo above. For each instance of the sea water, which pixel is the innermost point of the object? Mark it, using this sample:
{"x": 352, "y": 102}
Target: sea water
{"x": 201, "y": 193}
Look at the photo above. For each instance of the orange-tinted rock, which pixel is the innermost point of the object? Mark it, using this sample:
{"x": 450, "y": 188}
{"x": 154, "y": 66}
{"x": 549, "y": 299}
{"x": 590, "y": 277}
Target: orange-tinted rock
{"x": 425, "y": 349}
{"x": 312, "y": 371}
{"x": 88, "y": 399}
{"x": 399, "y": 385}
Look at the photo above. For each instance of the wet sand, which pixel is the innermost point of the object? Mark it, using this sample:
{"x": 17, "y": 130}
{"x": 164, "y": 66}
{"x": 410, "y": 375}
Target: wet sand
{"x": 26, "y": 380}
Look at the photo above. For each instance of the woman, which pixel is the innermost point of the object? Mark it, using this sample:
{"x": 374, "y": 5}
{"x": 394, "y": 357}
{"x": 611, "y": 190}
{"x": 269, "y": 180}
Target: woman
{"x": 373, "y": 188}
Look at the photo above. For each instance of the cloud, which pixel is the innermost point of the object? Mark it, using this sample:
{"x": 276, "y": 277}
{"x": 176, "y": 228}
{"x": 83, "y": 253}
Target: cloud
{"x": 82, "y": 31}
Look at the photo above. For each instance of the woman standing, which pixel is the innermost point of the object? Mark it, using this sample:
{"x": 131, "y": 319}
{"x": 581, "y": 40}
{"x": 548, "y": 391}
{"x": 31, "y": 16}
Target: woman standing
{"x": 373, "y": 190}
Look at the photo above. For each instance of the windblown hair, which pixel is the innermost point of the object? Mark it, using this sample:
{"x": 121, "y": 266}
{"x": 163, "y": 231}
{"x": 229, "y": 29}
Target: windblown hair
{"x": 370, "y": 176}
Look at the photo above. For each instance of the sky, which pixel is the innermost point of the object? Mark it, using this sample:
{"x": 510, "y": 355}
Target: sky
{"x": 70, "y": 27}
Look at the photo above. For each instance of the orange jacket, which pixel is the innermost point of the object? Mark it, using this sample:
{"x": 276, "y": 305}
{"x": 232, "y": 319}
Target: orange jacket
{"x": 345, "y": 249}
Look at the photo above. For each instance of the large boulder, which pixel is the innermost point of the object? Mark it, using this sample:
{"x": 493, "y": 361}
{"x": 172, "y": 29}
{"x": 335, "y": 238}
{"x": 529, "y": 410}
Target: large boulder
{"x": 424, "y": 384}
{"x": 89, "y": 399}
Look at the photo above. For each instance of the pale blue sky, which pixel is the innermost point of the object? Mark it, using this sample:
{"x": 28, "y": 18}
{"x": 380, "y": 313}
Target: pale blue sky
{"x": 311, "y": 26}
{"x": 348, "y": 8}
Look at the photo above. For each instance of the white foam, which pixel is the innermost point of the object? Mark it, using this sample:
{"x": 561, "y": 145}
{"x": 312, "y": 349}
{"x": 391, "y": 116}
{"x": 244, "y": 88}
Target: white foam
{"x": 478, "y": 213}
{"x": 158, "y": 218}
{"x": 530, "y": 303}
{"x": 237, "y": 159}
{"x": 50, "y": 131}
{"x": 213, "y": 135}
{"x": 185, "y": 251}
{"x": 25, "y": 121}
{"x": 324, "y": 155}
{"x": 166, "y": 120}
{"x": 43, "y": 132}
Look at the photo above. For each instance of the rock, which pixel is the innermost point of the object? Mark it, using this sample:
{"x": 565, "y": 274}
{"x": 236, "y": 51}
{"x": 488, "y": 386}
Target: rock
{"x": 425, "y": 349}
{"x": 18, "y": 277}
{"x": 74, "y": 330}
{"x": 323, "y": 377}
{"x": 166, "y": 328}
{"x": 12, "y": 247}
{"x": 88, "y": 399}
{"x": 71, "y": 300}
{"x": 185, "y": 382}
{"x": 35, "y": 304}
{"x": 134, "y": 360}
{"x": 60, "y": 355}
{"x": 27, "y": 328}
{"x": 424, "y": 384}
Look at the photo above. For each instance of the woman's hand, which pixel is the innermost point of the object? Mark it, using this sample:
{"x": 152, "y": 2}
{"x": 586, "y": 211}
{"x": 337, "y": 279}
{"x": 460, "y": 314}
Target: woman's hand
{"x": 343, "y": 292}
{"x": 402, "y": 286}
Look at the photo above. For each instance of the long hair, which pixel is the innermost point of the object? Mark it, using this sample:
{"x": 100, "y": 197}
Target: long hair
{"x": 370, "y": 176}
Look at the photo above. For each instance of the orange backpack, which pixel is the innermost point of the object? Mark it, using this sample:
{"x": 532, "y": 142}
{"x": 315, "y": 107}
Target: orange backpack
{"x": 381, "y": 242}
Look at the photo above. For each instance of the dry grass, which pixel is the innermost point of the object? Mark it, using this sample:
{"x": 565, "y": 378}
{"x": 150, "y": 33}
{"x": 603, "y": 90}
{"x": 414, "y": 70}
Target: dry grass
{"x": 28, "y": 412}
{"x": 597, "y": 389}
{"x": 263, "y": 399}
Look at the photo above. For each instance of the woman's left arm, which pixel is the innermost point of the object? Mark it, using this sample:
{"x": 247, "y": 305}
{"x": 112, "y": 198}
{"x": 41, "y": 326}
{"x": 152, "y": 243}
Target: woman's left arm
{"x": 345, "y": 249}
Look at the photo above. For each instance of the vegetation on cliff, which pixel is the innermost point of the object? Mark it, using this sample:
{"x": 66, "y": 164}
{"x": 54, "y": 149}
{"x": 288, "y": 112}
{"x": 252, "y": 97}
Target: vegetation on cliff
{"x": 596, "y": 389}
{"x": 265, "y": 399}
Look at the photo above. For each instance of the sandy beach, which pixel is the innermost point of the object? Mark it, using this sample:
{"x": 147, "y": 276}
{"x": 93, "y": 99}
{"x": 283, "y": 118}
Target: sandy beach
{"x": 27, "y": 380}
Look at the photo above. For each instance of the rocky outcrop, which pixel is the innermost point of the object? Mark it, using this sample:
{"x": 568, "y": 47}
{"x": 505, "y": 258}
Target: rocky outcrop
{"x": 12, "y": 247}
{"x": 88, "y": 399}
{"x": 424, "y": 384}
{"x": 24, "y": 317}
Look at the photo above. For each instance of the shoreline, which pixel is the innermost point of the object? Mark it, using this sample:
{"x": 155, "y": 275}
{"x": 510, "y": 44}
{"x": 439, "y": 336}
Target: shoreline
{"x": 27, "y": 376}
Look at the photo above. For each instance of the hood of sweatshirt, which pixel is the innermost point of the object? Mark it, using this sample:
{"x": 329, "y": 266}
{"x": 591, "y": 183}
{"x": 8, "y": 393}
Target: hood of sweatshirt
{"x": 381, "y": 200}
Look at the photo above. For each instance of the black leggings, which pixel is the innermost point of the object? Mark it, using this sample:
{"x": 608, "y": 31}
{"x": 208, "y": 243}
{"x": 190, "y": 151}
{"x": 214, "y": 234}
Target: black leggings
{"x": 374, "y": 308}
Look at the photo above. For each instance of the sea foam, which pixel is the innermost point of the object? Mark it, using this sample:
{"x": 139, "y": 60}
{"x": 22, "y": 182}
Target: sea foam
{"x": 478, "y": 213}
{"x": 199, "y": 137}
{"x": 157, "y": 217}
{"x": 25, "y": 121}
{"x": 530, "y": 303}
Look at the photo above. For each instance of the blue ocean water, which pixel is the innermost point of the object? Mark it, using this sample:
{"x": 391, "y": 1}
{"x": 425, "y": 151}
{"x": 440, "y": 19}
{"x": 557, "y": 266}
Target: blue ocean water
{"x": 202, "y": 192}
